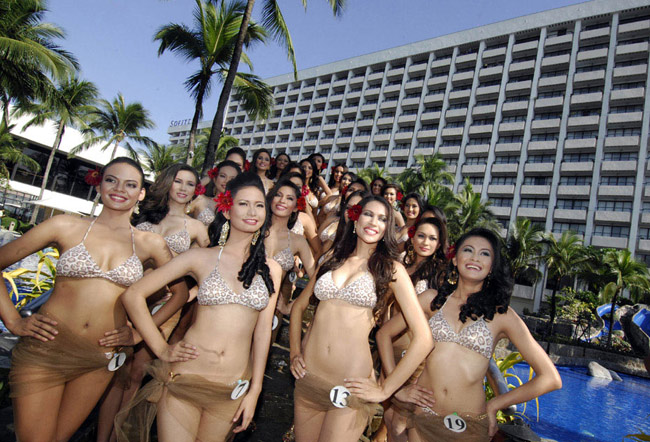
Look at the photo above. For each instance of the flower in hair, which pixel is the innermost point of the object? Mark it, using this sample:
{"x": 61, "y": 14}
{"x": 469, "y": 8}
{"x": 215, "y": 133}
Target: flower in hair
{"x": 213, "y": 173}
{"x": 399, "y": 196}
{"x": 200, "y": 189}
{"x": 272, "y": 161}
{"x": 324, "y": 166}
{"x": 247, "y": 166}
{"x": 93, "y": 177}
{"x": 344, "y": 191}
{"x": 333, "y": 168}
{"x": 301, "y": 204}
{"x": 304, "y": 191}
{"x": 354, "y": 212}
{"x": 224, "y": 201}
{"x": 451, "y": 252}
{"x": 411, "y": 231}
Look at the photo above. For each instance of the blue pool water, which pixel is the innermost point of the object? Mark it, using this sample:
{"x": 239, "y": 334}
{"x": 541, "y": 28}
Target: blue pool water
{"x": 587, "y": 409}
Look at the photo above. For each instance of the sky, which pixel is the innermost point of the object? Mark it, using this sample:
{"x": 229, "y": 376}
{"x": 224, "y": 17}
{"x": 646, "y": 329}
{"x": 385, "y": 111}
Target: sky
{"x": 113, "y": 41}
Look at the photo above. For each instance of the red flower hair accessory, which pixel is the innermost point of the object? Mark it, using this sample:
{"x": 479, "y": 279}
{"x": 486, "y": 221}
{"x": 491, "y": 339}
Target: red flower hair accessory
{"x": 411, "y": 231}
{"x": 451, "y": 252}
{"x": 213, "y": 173}
{"x": 333, "y": 167}
{"x": 304, "y": 191}
{"x": 354, "y": 212}
{"x": 200, "y": 189}
{"x": 399, "y": 196}
{"x": 301, "y": 204}
{"x": 324, "y": 166}
{"x": 93, "y": 177}
{"x": 344, "y": 191}
{"x": 247, "y": 166}
{"x": 224, "y": 201}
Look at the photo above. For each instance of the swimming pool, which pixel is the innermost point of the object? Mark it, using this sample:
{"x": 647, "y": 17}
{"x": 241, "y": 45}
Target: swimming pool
{"x": 588, "y": 409}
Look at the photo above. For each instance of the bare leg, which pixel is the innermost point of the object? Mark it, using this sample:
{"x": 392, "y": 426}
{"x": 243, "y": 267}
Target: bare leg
{"x": 213, "y": 429}
{"x": 177, "y": 421}
{"x": 307, "y": 422}
{"x": 341, "y": 426}
{"x": 413, "y": 436}
{"x": 110, "y": 405}
{"x": 396, "y": 425}
{"x": 42, "y": 405}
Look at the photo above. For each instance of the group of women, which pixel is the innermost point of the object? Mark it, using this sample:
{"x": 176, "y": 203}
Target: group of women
{"x": 194, "y": 276}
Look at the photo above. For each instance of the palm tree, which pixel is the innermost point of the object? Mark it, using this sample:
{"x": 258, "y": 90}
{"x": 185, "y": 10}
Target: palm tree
{"x": 11, "y": 152}
{"x": 159, "y": 156}
{"x": 429, "y": 170}
{"x": 115, "y": 123}
{"x": 211, "y": 42}
{"x": 563, "y": 257}
{"x": 68, "y": 105}
{"x": 273, "y": 20}
{"x": 524, "y": 248}
{"x": 468, "y": 212}
{"x": 369, "y": 175}
{"x": 28, "y": 53}
{"x": 627, "y": 273}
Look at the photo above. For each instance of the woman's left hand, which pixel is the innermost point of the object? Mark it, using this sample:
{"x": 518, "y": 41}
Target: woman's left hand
{"x": 367, "y": 389}
{"x": 123, "y": 336}
{"x": 245, "y": 412}
{"x": 492, "y": 418}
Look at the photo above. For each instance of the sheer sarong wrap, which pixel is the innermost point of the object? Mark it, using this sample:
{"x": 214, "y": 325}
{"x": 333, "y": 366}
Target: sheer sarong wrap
{"x": 133, "y": 422}
{"x": 37, "y": 366}
{"x": 314, "y": 392}
{"x": 430, "y": 427}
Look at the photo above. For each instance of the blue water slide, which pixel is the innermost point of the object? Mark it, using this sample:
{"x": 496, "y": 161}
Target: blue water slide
{"x": 604, "y": 311}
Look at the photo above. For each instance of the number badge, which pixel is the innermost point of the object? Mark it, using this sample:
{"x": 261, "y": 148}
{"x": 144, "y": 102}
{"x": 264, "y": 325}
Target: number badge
{"x": 116, "y": 361}
{"x": 240, "y": 389}
{"x": 292, "y": 277}
{"x": 156, "y": 308}
{"x": 339, "y": 396}
{"x": 275, "y": 323}
{"x": 455, "y": 423}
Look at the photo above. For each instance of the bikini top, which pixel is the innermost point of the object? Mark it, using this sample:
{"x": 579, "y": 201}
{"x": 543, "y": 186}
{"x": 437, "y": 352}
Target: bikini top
{"x": 476, "y": 336}
{"x": 77, "y": 262}
{"x": 360, "y": 292}
{"x": 215, "y": 291}
{"x": 332, "y": 206}
{"x": 298, "y": 228}
{"x": 285, "y": 257}
{"x": 329, "y": 233}
{"x": 421, "y": 286}
{"x": 178, "y": 242}
{"x": 312, "y": 200}
{"x": 206, "y": 216}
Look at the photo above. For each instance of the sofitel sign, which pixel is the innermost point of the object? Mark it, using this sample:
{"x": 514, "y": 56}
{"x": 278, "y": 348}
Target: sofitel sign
{"x": 175, "y": 123}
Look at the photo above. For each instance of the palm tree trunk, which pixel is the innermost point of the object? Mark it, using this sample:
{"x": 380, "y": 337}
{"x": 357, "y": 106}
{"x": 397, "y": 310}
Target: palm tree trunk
{"x": 217, "y": 123}
{"x": 198, "y": 110}
{"x": 5, "y": 111}
{"x": 46, "y": 174}
{"x": 117, "y": 144}
{"x": 611, "y": 317}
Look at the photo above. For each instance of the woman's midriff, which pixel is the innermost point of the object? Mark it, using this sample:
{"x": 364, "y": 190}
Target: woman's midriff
{"x": 223, "y": 336}
{"x": 455, "y": 375}
{"x": 338, "y": 341}
{"x": 88, "y": 307}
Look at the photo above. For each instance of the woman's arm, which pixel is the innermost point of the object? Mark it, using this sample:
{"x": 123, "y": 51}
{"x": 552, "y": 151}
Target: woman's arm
{"x": 199, "y": 234}
{"x": 197, "y": 206}
{"x": 323, "y": 185}
{"x": 298, "y": 367}
{"x": 305, "y": 255}
{"x": 399, "y": 219}
{"x": 260, "y": 351}
{"x": 546, "y": 376}
{"x": 420, "y": 346}
{"x": 310, "y": 233}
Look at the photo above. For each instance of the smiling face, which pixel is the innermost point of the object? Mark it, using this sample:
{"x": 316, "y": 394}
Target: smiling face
{"x": 474, "y": 259}
{"x": 376, "y": 187}
{"x": 226, "y": 173}
{"x": 338, "y": 174}
{"x": 307, "y": 169}
{"x": 284, "y": 202}
{"x": 121, "y": 187}
{"x": 390, "y": 194}
{"x": 183, "y": 186}
{"x": 371, "y": 224}
{"x": 248, "y": 210}
{"x": 426, "y": 240}
{"x": 411, "y": 208}
{"x": 281, "y": 161}
{"x": 318, "y": 160}
{"x": 263, "y": 161}
{"x": 346, "y": 179}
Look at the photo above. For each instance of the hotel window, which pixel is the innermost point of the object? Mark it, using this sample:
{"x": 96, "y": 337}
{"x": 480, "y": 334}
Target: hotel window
{"x": 537, "y": 180}
{"x": 475, "y": 161}
{"x": 501, "y": 202}
{"x": 537, "y": 203}
{"x": 617, "y": 180}
{"x": 612, "y": 231}
{"x": 541, "y": 158}
{"x": 508, "y": 159}
{"x": 503, "y": 180}
{"x": 566, "y": 204}
{"x": 575, "y": 180}
{"x": 620, "y": 156}
{"x": 615, "y": 206}
{"x": 578, "y": 157}
{"x": 564, "y": 227}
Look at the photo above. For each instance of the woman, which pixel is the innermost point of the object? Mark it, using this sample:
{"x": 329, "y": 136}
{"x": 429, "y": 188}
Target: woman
{"x": 202, "y": 208}
{"x": 468, "y": 316}
{"x": 330, "y": 205}
{"x": 260, "y": 166}
{"x": 304, "y": 223}
{"x": 352, "y": 286}
{"x": 314, "y": 182}
{"x": 413, "y": 207}
{"x": 202, "y": 386}
{"x": 425, "y": 262}
{"x": 278, "y": 166}
{"x": 163, "y": 212}
{"x": 63, "y": 361}
{"x": 319, "y": 160}
{"x": 393, "y": 195}
{"x": 281, "y": 243}
{"x": 377, "y": 186}
{"x": 328, "y": 234}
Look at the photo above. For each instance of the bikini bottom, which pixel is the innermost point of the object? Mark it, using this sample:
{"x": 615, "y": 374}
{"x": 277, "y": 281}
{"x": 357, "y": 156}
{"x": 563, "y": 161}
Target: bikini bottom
{"x": 430, "y": 426}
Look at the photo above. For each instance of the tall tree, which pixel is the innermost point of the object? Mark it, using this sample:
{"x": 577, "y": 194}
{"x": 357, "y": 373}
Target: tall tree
{"x": 11, "y": 152}
{"x": 627, "y": 273}
{"x": 159, "y": 156}
{"x": 524, "y": 248}
{"x": 468, "y": 212}
{"x": 427, "y": 170}
{"x": 117, "y": 122}
{"x": 28, "y": 52}
{"x": 69, "y": 104}
{"x": 225, "y": 143}
{"x": 273, "y": 20}
{"x": 373, "y": 173}
{"x": 211, "y": 41}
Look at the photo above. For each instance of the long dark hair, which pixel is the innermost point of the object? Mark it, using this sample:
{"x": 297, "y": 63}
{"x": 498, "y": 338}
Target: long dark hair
{"x": 380, "y": 263}
{"x": 211, "y": 189}
{"x": 337, "y": 165}
{"x": 284, "y": 182}
{"x": 274, "y": 167}
{"x": 494, "y": 296}
{"x": 342, "y": 209}
{"x": 155, "y": 206}
{"x": 254, "y": 162}
{"x": 418, "y": 199}
{"x": 130, "y": 162}
{"x": 312, "y": 182}
{"x": 431, "y": 269}
{"x": 256, "y": 262}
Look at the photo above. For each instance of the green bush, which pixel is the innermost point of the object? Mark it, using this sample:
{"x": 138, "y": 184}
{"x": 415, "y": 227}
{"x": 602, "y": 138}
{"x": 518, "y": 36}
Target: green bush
{"x": 21, "y": 227}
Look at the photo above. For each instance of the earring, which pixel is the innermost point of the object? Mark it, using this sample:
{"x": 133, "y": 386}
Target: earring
{"x": 136, "y": 208}
{"x": 187, "y": 209}
{"x": 410, "y": 254}
{"x": 354, "y": 228}
{"x": 223, "y": 236}
{"x": 256, "y": 236}
{"x": 453, "y": 277}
